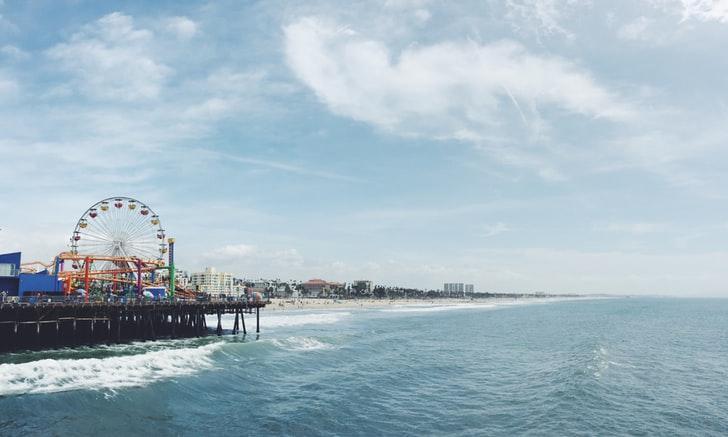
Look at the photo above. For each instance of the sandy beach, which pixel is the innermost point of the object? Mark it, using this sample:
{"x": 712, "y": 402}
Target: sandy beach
{"x": 324, "y": 304}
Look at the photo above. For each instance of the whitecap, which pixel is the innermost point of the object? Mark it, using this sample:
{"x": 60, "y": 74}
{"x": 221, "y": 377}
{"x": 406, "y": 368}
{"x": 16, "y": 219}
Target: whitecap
{"x": 435, "y": 308}
{"x": 301, "y": 344}
{"x": 56, "y": 375}
{"x": 600, "y": 362}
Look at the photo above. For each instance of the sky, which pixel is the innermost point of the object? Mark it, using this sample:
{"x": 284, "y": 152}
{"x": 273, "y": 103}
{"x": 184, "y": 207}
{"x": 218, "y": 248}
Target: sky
{"x": 519, "y": 145}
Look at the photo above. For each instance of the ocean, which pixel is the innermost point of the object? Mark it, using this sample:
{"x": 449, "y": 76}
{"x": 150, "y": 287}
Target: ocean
{"x": 637, "y": 366}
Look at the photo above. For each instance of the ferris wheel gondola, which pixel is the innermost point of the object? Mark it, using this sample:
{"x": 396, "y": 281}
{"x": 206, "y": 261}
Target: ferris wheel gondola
{"x": 119, "y": 227}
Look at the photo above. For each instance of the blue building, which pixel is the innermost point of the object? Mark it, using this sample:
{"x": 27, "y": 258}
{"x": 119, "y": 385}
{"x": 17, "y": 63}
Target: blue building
{"x": 16, "y": 283}
{"x": 9, "y": 273}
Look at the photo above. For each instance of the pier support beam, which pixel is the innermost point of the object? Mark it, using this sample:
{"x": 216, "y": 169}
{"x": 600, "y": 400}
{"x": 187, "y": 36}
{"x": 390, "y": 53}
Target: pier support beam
{"x": 242, "y": 319}
{"x": 236, "y": 326}
{"x": 174, "y": 323}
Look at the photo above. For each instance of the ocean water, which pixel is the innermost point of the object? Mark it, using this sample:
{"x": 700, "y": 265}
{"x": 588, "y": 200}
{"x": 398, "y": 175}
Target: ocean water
{"x": 581, "y": 367}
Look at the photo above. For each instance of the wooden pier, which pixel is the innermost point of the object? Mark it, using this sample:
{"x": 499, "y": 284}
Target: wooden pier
{"x": 59, "y": 324}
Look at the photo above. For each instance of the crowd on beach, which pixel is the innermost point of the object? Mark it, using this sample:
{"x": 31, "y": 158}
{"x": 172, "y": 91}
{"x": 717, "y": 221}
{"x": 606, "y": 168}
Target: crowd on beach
{"x": 280, "y": 304}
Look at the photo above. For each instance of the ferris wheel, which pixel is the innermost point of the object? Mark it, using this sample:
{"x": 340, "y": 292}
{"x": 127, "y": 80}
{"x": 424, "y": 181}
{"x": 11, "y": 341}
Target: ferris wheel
{"x": 119, "y": 227}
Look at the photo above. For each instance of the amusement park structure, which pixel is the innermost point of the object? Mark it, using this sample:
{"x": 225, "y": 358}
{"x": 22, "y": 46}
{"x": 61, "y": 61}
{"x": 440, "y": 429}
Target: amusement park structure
{"x": 117, "y": 249}
{"x": 117, "y": 260}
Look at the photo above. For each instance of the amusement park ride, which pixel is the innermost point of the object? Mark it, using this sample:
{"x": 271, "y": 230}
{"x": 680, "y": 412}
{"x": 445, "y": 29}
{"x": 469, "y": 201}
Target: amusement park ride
{"x": 117, "y": 247}
{"x": 117, "y": 259}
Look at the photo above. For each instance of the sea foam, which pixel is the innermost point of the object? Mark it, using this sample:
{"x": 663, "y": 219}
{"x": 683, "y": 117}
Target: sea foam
{"x": 56, "y": 375}
{"x": 475, "y": 305}
{"x": 435, "y": 308}
{"x": 301, "y": 344}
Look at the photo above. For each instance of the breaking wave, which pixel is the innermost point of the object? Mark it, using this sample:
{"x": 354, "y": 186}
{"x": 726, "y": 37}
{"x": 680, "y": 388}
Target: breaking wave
{"x": 301, "y": 344}
{"x": 428, "y": 309}
{"x": 56, "y": 375}
{"x": 474, "y": 305}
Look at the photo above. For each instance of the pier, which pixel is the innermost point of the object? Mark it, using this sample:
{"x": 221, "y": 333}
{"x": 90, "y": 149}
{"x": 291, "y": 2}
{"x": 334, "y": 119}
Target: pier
{"x": 46, "y": 325}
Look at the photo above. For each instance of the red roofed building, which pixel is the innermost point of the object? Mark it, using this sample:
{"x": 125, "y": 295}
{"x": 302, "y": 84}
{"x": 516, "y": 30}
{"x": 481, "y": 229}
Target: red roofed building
{"x": 321, "y": 288}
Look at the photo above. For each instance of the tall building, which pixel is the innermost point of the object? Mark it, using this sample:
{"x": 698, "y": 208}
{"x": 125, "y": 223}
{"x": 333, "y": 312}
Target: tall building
{"x": 457, "y": 288}
{"x": 362, "y": 286}
{"x": 213, "y": 282}
{"x": 182, "y": 278}
{"x": 453, "y": 288}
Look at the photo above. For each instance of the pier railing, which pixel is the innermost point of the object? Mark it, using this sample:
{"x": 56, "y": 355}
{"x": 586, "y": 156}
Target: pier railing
{"x": 50, "y": 299}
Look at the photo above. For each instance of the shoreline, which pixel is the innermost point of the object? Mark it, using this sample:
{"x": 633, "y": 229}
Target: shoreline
{"x": 282, "y": 304}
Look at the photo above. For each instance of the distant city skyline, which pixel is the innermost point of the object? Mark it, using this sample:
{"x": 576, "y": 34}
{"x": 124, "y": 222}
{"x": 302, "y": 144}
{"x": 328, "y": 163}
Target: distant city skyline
{"x": 520, "y": 145}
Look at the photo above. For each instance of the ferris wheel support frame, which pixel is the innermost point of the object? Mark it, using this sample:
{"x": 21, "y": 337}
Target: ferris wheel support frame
{"x": 87, "y": 275}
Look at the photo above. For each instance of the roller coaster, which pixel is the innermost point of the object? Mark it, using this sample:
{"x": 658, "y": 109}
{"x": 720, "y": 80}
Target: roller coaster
{"x": 117, "y": 248}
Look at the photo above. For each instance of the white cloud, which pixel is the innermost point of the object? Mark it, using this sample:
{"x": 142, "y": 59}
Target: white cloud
{"x": 182, "y": 27}
{"x": 405, "y": 4}
{"x": 338, "y": 265}
{"x": 491, "y": 230}
{"x": 446, "y": 89}
{"x": 423, "y": 15}
{"x": 542, "y": 17}
{"x": 13, "y": 52}
{"x": 635, "y": 30}
{"x": 705, "y": 10}
{"x": 111, "y": 59}
{"x": 458, "y": 90}
{"x": 633, "y": 228}
{"x": 8, "y": 87}
{"x": 231, "y": 251}
{"x": 114, "y": 60}
{"x": 672, "y": 153}
{"x": 227, "y": 93}
{"x": 108, "y": 142}
{"x": 239, "y": 258}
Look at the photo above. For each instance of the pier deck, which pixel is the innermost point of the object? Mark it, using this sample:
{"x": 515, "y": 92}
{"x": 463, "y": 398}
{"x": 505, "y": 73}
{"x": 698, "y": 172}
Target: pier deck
{"x": 56, "y": 324}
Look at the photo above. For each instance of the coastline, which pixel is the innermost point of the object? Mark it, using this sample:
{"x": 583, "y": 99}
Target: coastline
{"x": 281, "y": 304}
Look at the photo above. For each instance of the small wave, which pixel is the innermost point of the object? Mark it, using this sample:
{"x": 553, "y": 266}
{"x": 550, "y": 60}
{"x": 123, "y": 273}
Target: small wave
{"x": 301, "y": 344}
{"x": 427, "y": 309}
{"x": 56, "y": 375}
{"x": 600, "y": 362}
{"x": 304, "y": 319}
{"x": 476, "y": 305}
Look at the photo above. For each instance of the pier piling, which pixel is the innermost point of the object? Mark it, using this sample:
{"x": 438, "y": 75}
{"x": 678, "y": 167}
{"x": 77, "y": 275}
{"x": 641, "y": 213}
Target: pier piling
{"x": 236, "y": 326}
{"x": 242, "y": 320}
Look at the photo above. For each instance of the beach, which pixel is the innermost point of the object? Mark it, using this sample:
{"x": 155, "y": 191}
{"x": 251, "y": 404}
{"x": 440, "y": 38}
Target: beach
{"x": 279, "y": 304}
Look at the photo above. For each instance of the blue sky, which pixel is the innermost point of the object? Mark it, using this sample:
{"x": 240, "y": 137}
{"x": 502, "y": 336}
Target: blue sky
{"x": 560, "y": 146}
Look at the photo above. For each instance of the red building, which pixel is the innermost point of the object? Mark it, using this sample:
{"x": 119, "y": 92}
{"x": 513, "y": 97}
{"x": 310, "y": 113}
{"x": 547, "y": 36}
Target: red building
{"x": 321, "y": 288}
